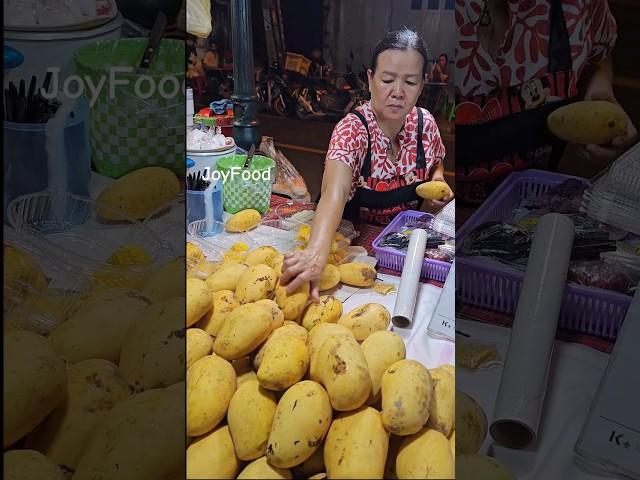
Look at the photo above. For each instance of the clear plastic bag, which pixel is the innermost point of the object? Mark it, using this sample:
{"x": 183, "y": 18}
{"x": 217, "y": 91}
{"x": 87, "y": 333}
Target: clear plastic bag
{"x": 600, "y": 274}
{"x": 288, "y": 180}
{"x": 199, "y": 18}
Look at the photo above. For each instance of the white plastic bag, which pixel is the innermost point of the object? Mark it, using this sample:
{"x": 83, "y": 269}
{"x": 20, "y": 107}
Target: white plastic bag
{"x": 199, "y": 18}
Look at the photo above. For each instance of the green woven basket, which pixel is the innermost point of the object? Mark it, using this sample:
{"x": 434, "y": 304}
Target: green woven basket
{"x": 138, "y": 118}
{"x": 244, "y": 189}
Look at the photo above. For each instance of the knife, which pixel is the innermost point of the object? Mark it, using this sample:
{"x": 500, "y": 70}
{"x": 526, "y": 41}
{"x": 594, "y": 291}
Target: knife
{"x": 154, "y": 40}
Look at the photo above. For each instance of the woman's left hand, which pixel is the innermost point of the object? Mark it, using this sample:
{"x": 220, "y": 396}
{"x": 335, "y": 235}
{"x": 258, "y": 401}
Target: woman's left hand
{"x": 437, "y": 205}
{"x": 602, "y": 155}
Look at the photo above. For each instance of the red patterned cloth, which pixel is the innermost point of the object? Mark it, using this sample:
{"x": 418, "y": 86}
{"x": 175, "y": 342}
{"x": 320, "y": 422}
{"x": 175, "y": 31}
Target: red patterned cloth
{"x": 349, "y": 145}
{"x": 524, "y": 54}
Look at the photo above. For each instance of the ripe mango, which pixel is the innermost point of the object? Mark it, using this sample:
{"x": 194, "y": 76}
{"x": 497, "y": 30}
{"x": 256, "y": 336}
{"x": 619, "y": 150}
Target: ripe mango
{"x": 588, "y": 122}
{"x": 435, "y": 190}
{"x": 243, "y": 221}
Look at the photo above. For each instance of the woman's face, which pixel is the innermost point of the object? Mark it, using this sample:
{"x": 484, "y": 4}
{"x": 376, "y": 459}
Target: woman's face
{"x": 396, "y": 84}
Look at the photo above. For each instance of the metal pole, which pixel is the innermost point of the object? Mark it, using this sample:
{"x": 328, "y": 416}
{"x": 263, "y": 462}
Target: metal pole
{"x": 245, "y": 107}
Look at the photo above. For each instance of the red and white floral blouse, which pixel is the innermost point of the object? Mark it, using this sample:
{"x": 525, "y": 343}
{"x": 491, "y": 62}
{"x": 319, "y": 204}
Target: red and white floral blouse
{"x": 349, "y": 145}
{"x": 524, "y": 54}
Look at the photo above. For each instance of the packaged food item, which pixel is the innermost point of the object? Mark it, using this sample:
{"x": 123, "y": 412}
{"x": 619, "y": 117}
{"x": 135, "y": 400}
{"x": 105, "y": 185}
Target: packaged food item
{"x": 288, "y": 180}
{"x": 563, "y": 198}
{"x": 504, "y": 241}
{"x": 476, "y": 356}
{"x": 438, "y": 254}
{"x": 600, "y": 274}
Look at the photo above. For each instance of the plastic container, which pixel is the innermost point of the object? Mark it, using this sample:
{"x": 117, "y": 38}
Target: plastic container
{"x": 214, "y": 246}
{"x": 190, "y": 107}
{"x": 209, "y": 158}
{"x": 132, "y": 128}
{"x": 206, "y": 205}
{"x": 278, "y": 233}
{"x": 167, "y": 223}
{"x": 246, "y": 189}
{"x": 589, "y": 310}
{"x": 303, "y": 212}
{"x": 41, "y": 309}
{"x": 28, "y": 166}
{"x": 68, "y": 229}
{"x": 40, "y": 48}
{"x": 394, "y": 259}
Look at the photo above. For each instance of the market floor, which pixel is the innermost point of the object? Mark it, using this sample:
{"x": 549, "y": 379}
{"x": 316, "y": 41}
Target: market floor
{"x": 304, "y": 143}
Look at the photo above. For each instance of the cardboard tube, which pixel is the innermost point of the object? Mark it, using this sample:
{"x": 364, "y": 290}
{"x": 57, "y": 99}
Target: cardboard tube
{"x": 526, "y": 368}
{"x": 410, "y": 280}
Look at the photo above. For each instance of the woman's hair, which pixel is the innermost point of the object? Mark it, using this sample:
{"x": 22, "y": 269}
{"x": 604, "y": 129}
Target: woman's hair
{"x": 446, "y": 57}
{"x": 401, "y": 39}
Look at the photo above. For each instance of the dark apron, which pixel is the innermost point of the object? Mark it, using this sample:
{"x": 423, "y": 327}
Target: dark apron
{"x": 486, "y": 153}
{"x": 377, "y": 196}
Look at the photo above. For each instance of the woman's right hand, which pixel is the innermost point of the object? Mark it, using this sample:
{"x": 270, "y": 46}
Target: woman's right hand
{"x": 302, "y": 266}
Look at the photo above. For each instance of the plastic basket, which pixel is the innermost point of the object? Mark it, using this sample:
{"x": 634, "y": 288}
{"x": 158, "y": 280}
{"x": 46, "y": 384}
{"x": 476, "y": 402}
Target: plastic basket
{"x": 297, "y": 63}
{"x": 394, "y": 259}
{"x": 594, "y": 311}
{"x": 138, "y": 118}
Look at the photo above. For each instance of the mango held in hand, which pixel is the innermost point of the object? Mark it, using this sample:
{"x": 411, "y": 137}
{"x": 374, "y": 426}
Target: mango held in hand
{"x": 588, "y": 122}
{"x": 435, "y": 190}
{"x": 138, "y": 194}
{"x": 243, "y": 221}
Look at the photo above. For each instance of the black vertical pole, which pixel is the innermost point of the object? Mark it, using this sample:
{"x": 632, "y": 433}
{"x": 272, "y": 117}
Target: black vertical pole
{"x": 245, "y": 123}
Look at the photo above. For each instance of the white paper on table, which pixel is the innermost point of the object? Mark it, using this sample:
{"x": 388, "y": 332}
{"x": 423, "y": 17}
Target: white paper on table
{"x": 576, "y": 372}
{"x": 611, "y": 436}
{"x": 443, "y": 321}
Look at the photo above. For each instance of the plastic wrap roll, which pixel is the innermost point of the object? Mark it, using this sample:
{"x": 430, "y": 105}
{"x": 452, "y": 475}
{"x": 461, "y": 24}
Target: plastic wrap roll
{"x": 524, "y": 378}
{"x": 408, "y": 290}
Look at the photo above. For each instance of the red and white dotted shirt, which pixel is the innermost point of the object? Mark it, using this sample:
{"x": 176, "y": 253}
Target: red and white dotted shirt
{"x": 524, "y": 54}
{"x": 349, "y": 145}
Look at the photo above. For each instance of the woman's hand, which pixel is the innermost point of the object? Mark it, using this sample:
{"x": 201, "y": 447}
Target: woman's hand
{"x": 602, "y": 155}
{"x": 303, "y": 266}
{"x": 437, "y": 205}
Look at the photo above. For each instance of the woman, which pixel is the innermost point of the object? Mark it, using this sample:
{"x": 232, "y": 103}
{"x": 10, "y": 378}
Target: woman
{"x": 516, "y": 62}
{"x": 376, "y": 157}
{"x": 439, "y": 72}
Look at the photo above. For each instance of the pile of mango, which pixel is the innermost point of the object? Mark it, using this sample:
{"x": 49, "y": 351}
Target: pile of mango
{"x": 279, "y": 387}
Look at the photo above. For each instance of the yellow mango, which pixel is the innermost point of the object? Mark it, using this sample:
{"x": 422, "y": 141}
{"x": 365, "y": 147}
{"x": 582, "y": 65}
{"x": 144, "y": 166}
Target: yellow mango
{"x": 588, "y": 122}
{"x": 138, "y": 194}
{"x": 243, "y": 221}
{"x": 434, "y": 190}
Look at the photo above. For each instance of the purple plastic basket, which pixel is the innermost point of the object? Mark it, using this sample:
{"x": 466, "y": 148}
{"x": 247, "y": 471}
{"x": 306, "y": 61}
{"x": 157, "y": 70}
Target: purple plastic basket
{"x": 394, "y": 259}
{"x": 594, "y": 311}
